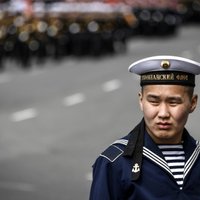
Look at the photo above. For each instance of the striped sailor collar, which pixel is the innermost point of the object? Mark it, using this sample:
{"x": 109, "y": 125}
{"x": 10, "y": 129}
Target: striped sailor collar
{"x": 151, "y": 145}
{"x": 189, "y": 145}
{"x": 152, "y": 151}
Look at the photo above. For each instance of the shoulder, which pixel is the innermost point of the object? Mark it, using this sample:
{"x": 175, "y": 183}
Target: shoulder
{"x": 115, "y": 150}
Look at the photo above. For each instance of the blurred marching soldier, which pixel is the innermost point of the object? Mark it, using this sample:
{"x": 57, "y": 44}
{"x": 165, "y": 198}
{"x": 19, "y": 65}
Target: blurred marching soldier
{"x": 107, "y": 37}
{"x": 21, "y": 47}
{"x": 37, "y": 44}
{"x": 80, "y": 36}
{"x": 95, "y": 37}
{"x": 62, "y": 38}
{"x": 10, "y": 37}
{"x": 52, "y": 34}
{"x": 121, "y": 33}
{"x": 85, "y": 36}
{"x": 76, "y": 38}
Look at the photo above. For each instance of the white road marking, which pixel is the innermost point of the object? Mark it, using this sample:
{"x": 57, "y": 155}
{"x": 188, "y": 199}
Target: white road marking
{"x": 18, "y": 186}
{"x": 24, "y": 115}
{"x": 111, "y": 85}
{"x": 88, "y": 176}
{"x": 74, "y": 99}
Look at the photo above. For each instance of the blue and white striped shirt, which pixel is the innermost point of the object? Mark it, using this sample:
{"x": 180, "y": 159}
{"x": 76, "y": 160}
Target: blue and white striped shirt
{"x": 175, "y": 158}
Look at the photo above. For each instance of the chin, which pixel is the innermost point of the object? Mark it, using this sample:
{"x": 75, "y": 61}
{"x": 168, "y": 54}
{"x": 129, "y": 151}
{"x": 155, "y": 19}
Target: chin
{"x": 164, "y": 135}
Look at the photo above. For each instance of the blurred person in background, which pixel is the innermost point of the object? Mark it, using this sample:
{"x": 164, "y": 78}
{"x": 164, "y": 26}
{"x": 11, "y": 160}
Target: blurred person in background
{"x": 158, "y": 159}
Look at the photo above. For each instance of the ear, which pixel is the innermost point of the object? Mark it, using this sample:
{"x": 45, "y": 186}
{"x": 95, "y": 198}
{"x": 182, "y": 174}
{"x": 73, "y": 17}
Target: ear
{"x": 193, "y": 103}
{"x": 140, "y": 100}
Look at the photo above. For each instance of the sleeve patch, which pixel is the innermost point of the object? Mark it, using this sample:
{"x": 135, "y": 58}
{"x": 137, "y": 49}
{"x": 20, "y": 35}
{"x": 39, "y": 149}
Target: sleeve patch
{"x": 112, "y": 153}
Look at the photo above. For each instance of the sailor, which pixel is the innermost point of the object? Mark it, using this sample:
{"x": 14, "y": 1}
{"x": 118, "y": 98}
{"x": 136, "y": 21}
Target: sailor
{"x": 158, "y": 159}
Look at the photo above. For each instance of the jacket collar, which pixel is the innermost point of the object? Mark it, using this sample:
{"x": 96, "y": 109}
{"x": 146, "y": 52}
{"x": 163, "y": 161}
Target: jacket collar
{"x": 189, "y": 144}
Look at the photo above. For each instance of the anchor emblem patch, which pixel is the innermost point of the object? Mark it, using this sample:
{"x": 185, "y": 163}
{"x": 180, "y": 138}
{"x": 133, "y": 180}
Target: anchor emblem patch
{"x": 136, "y": 168}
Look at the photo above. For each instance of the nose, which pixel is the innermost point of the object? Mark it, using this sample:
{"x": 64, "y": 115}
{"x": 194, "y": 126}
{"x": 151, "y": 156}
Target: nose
{"x": 163, "y": 111}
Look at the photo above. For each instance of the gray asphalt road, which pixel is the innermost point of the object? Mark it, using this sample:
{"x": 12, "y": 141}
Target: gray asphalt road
{"x": 55, "y": 120}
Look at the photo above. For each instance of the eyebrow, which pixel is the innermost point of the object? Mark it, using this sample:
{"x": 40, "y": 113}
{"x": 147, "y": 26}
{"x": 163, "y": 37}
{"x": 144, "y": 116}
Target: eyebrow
{"x": 153, "y": 96}
{"x": 168, "y": 98}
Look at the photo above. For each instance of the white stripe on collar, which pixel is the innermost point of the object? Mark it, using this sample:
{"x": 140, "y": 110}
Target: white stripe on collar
{"x": 192, "y": 159}
{"x": 161, "y": 162}
{"x": 156, "y": 159}
{"x": 121, "y": 141}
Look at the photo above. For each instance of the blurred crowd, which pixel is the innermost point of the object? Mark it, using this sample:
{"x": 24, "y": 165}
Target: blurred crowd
{"x": 34, "y": 30}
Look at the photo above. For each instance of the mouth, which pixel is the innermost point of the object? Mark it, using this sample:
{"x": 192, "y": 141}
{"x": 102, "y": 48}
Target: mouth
{"x": 164, "y": 126}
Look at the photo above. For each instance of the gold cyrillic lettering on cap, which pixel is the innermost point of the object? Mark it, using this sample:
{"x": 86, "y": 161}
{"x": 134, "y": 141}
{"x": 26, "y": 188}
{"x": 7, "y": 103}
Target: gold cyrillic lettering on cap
{"x": 165, "y": 64}
{"x": 158, "y": 77}
{"x": 182, "y": 77}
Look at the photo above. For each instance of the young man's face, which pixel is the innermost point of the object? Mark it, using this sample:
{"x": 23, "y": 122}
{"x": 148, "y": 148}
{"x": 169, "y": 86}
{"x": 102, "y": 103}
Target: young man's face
{"x": 166, "y": 109}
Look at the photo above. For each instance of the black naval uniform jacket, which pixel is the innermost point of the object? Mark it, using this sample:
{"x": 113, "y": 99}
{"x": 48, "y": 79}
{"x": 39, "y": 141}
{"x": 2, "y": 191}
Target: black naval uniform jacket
{"x": 112, "y": 173}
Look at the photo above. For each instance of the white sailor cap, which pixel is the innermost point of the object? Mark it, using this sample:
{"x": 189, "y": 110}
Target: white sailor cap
{"x": 165, "y": 69}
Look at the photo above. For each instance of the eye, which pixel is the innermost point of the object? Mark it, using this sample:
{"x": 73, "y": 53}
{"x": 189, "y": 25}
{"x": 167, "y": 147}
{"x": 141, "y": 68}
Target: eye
{"x": 175, "y": 101}
{"x": 153, "y": 101}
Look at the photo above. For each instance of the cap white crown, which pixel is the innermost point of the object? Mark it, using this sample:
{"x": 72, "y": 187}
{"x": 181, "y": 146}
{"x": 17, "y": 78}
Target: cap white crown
{"x": 176, "y": 63}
